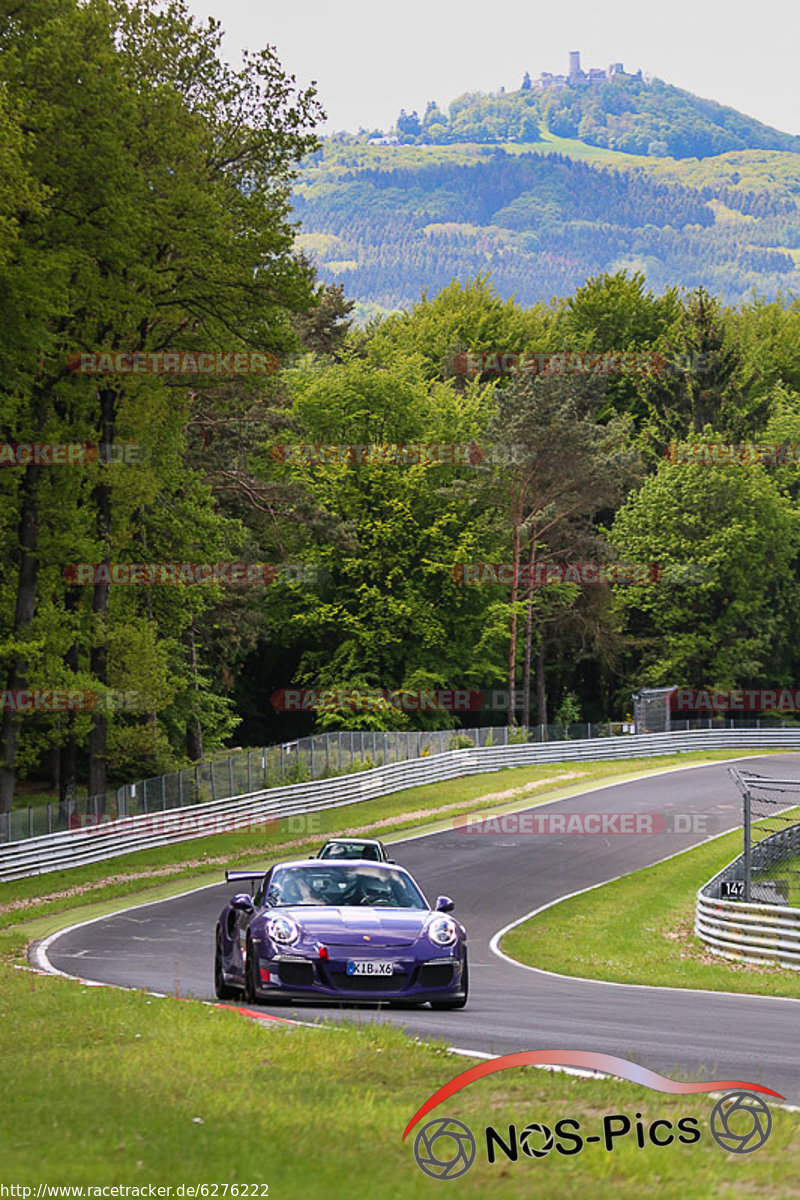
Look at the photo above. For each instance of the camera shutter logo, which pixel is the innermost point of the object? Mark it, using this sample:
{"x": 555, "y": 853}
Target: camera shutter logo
{"x": 754, "y": 1111}
{"x": 527, "y": 1140}
{"x": 444, "y": 1148}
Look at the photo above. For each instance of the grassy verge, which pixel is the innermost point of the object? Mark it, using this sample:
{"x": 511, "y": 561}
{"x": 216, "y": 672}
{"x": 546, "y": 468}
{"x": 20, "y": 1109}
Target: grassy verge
{"x": 112, "y": 1087}
{"x": 31, "y": 907}
{"x": 639, "y": 929}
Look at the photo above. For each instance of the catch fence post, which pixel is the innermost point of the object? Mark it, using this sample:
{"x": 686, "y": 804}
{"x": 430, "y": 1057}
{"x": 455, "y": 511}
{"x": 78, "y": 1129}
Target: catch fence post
{"x": 747, "y": 846}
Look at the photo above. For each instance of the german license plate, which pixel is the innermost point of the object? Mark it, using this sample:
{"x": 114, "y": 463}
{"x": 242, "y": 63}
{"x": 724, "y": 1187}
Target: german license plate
{"x": 369, "y": 966}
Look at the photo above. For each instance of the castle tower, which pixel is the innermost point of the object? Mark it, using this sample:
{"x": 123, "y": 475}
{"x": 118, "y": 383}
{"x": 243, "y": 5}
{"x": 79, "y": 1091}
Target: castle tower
{"x": 574, "y": 65}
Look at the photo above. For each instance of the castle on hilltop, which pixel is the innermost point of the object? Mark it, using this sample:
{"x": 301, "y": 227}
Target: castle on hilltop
{"x": 576, "y": 76}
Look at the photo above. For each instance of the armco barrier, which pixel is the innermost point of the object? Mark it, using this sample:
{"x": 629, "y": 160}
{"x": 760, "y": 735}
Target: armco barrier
{"x": 71, "y": 848}
{"x": 745, "y": 930}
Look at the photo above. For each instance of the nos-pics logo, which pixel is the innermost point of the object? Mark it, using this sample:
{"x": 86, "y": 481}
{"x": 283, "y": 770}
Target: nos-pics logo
{"x": 446, "y": 1148}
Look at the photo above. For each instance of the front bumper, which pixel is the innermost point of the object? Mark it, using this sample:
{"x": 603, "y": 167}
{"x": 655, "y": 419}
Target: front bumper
{"x": 310, "y": 977}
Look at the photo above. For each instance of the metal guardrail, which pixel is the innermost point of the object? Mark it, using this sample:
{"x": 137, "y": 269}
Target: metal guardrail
{"x": 748, "y": 930}
{"x": 111, "y": 838}
{"x": 318, "y": 756}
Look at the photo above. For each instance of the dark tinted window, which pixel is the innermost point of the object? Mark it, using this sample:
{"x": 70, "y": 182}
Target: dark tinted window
{"x": 336, "y": 883}
{"x": 351, "y": 850}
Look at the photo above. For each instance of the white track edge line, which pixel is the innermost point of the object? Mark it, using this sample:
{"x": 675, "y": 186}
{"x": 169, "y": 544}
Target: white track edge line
{"x": 42, "y": 960}
{"x": 494, "y": 944}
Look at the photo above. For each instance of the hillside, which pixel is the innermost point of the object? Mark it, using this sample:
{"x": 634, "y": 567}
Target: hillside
{"x": 609, "y": 109}
{"x": 388, "y": 221}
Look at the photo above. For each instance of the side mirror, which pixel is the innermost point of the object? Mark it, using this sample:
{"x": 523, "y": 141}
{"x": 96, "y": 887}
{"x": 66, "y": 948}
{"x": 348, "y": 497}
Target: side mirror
{"x": 444, "y": 904}
{"x": 243, "y": 902}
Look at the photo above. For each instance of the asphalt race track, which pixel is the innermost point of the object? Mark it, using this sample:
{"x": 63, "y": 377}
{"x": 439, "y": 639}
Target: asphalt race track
{"x": 168, "y": 946}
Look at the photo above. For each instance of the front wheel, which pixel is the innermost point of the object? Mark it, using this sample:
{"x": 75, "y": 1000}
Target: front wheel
{"x": 223, "y": 990}
{"x": 250, "y": 967}
{"x": 457, "y": 1001}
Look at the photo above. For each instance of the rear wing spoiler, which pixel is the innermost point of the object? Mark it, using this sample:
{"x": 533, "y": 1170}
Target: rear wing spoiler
{"x": 237, "y": 876}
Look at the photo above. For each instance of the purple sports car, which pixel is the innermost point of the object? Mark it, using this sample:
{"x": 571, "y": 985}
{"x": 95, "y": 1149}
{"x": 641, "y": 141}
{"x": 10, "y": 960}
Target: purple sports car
{"x": 334, "y": 929}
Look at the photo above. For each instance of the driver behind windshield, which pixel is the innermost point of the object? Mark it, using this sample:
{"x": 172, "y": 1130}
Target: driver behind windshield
{"x": 342, "y": 886}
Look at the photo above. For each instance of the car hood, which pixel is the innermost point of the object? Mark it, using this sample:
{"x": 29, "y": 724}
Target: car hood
{"x": 344, "y": 926}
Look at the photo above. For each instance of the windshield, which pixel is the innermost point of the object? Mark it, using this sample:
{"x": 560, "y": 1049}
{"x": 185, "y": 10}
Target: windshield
{"x": 339, "y": 884}
{"x": 350, "y": 850}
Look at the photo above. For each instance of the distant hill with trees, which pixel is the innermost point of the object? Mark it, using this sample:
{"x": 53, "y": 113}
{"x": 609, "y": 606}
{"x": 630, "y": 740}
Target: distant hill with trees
{"x": 389, "y": 221}
{"x": 550, "y": 184}
{"x": 632, "y": 115}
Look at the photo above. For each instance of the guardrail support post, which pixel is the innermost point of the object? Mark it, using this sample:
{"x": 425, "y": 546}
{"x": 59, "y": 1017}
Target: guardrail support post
{"x": 747, "y": 847}
{"x": 180, "y": 789}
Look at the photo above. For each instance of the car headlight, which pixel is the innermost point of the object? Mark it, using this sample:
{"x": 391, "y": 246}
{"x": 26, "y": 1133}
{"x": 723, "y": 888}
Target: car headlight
{"x": 442, "y": 931}
{"x": 282, "y": 930}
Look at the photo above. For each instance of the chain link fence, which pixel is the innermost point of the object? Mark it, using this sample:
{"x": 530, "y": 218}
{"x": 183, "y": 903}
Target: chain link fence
{"x": 770, "y": 863}
{"x": 322, "y": 756}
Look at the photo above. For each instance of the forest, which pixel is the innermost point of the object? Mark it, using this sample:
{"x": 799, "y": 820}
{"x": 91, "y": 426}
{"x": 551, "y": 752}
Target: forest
{"x": 542, "y": 221}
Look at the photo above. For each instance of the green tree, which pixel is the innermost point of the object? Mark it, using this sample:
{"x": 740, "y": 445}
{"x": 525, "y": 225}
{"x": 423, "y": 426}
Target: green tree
{"x": 566, "y": 468}
{"x": 725, "y": 611}
{"x": 181, "y": 240}
{"x": 391, "y": 615}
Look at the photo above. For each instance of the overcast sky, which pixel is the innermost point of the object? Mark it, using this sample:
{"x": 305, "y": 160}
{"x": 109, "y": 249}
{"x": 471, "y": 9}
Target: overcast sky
{"x": 372, "y": 58}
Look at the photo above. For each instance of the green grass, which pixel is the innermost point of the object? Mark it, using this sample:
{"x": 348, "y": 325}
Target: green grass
{"x": 152, "y": 874}
{"x": 639, "y": 929}
{"x": 599, "y": 156}
{"x": 110, "y": 1087}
